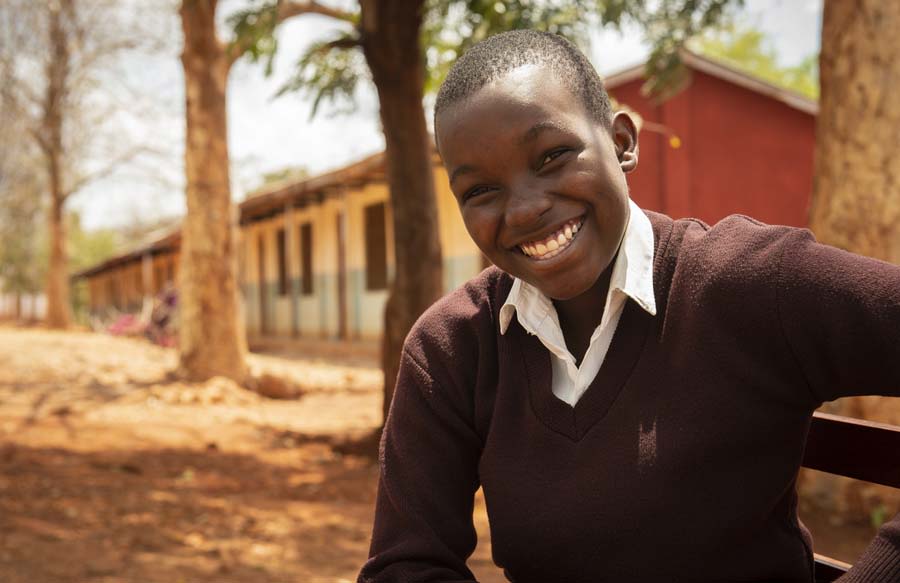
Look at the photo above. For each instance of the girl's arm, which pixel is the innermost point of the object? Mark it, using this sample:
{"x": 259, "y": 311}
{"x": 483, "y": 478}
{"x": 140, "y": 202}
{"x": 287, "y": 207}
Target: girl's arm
{"x": 429, "y": 455}
{"x": 881, "y": 561}
{"x": 841, "y": 316}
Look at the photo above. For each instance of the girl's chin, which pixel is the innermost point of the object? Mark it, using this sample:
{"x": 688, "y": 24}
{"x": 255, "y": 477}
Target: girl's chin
{"x": 562, "y": 294}
{"x": 575, "y": 289}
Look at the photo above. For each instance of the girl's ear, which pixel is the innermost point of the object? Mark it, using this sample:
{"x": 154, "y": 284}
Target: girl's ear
{"x": 625, "y": 138}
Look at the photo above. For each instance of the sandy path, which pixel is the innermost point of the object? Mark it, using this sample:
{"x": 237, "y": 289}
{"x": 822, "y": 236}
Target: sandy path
{"x": 109, "y": 472}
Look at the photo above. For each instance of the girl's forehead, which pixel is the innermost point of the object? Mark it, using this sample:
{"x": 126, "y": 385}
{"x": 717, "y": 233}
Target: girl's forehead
{"x": 524, "y": 86}
{"x": 520, "y": 83}
{"x": 527, "y": 92}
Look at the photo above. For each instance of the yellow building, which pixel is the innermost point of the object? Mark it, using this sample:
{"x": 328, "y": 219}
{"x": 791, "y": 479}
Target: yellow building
{"x": 315, "y": 256}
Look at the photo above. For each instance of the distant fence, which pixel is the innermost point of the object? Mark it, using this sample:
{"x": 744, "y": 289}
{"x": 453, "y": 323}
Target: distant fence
{"x": 33, "y": 307}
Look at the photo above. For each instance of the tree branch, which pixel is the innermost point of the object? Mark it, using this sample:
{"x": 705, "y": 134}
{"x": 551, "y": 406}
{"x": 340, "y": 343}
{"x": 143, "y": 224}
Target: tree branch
{"x": 342, "y": 43}
{"x": 290, "y": 9}
{"x": 104, "y": 171}
{"x": 39, "y": 138}
{"x": 234, "y": 50}
{"x": 25, "y": 91}
{"x": 282, "y": 11}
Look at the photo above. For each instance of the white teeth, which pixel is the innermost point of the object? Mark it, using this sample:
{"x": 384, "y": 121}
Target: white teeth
{"x": 552, "y": 245}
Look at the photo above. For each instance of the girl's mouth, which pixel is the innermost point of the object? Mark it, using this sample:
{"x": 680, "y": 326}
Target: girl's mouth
{"x": 553, "y": 244}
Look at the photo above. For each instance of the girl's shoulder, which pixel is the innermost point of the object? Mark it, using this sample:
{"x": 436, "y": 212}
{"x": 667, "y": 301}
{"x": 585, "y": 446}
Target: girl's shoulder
{"x": 466, "y": 313}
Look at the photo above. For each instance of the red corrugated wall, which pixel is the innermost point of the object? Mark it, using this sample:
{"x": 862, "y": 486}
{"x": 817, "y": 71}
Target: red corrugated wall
{"x": 741, "y": 152}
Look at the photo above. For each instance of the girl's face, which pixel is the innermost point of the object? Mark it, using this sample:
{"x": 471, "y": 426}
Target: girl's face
{"x": 539, "y": 182}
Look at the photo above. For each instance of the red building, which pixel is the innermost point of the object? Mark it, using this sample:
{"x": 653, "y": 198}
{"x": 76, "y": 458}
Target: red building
{"x": 729, "y": 143}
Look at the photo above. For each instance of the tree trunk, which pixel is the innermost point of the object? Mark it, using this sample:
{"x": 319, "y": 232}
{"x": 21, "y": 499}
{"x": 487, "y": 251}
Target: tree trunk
{"x": 390, "y": 35}
{"x": 18, "y": 306}
{"x": 856, "y": 190}
{"x": 58, "y": 309}
{"x": 211, "y": 335}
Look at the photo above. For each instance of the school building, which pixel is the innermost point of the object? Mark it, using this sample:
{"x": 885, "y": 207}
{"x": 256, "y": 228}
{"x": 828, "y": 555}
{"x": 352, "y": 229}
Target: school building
{"x": 316, "y": 255}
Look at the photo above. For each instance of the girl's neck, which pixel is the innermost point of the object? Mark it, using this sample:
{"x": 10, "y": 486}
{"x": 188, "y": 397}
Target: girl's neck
{"x": 580, "y": 316}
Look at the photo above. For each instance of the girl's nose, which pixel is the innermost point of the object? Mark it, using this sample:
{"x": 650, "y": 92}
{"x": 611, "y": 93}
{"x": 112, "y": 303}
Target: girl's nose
{"x": 525, "y": 205}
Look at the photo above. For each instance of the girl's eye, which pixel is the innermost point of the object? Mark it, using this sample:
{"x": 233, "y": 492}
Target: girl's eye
{"x": 551, "y": 156}
{"x": 475, "y": 191}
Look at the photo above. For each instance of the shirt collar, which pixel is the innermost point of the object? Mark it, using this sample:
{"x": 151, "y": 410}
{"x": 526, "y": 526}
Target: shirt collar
{"x": 632, "y": 275}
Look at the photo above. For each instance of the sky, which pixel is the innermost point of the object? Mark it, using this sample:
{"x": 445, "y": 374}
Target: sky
{"x": 267, "y": 133}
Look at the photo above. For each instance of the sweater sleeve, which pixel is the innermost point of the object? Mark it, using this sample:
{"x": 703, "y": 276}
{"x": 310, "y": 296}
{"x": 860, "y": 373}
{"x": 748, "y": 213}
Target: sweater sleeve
{"x": 429, "y": 454}
{"x": 841, "y": 317}
{"x": 840, "y": 313}
{"x": 881, "y": 560}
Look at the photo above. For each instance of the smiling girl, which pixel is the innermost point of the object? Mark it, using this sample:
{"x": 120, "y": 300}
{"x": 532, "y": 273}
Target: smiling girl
{"x": 632, "y": 392}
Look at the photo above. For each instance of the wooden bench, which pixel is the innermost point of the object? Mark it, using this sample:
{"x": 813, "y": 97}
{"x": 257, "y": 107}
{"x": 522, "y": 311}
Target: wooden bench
{"x": 858, "y": 449}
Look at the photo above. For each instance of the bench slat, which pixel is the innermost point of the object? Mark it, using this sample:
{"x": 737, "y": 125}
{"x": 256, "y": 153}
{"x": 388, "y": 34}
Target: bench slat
{"x": 858, "y": 449}
{"x": 828, "y": 569}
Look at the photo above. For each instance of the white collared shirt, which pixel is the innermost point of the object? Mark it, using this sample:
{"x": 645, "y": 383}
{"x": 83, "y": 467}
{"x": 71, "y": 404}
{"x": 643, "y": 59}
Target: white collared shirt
{"x": 632, "y": 277}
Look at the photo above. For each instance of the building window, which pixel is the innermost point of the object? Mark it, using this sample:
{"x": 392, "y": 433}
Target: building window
{"x": 306, "y": 271}
{"x": 282, "y": 263}
{"x": 376, "y": 247}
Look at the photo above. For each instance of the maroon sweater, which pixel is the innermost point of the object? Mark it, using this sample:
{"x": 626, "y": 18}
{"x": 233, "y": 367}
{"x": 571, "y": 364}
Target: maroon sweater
{"x": 679, "y": 463}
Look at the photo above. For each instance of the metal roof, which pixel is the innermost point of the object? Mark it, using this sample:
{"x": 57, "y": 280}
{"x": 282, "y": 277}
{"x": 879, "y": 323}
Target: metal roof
{"x": 165, "y": 243}
{"x": 726, "y": 72}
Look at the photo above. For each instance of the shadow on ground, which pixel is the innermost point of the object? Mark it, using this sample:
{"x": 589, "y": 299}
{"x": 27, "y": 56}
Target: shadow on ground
{"x": 182, "y": 515}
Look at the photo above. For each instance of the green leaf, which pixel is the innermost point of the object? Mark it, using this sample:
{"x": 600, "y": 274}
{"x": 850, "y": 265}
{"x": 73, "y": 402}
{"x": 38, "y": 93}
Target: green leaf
{"x": 668, "y": 25}
{"x": 749, "y": 50}
{"x": 254, "y": 32}
{"x": 450, "y": 27}
{"x": 329, "y": 71}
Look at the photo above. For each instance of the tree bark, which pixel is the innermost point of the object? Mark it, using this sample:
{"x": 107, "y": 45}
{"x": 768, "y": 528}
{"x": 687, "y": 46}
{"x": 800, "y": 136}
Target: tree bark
{"x": 57, "y": 289}
{"x": 390, "y": 39}
{"x": 211, "y": 335}
{"x": 856, "y": 189}
{"x": 58, "y": 292}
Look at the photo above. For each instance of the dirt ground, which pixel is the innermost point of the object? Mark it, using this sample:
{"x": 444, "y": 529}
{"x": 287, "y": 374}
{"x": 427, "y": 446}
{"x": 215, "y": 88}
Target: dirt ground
{"x": 111, "y": 472}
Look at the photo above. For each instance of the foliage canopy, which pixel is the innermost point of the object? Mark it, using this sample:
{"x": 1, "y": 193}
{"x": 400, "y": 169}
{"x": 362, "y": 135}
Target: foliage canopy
{"x": 747, "y": 49}
{"x": 331, "y": 70}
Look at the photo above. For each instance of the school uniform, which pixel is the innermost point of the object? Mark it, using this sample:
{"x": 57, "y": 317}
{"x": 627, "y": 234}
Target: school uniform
{"x": 671, "y": 452}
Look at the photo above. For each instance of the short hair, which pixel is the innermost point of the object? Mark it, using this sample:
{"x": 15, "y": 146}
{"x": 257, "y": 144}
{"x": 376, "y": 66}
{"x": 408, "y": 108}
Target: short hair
{"x": 497, "y": 55}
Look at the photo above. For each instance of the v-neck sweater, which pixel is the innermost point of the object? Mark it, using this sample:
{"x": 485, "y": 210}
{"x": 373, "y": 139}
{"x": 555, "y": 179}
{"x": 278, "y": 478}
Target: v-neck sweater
{"x": 631, "y": 277}
{"x": 680, "y": 461}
